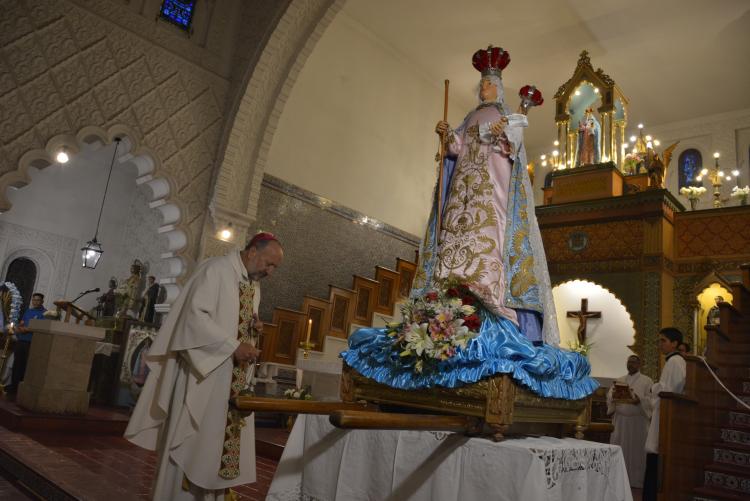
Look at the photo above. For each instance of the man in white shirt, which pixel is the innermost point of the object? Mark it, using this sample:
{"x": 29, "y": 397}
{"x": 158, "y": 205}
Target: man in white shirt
{"x": 631, "y": 420}
{"x": 672, "y": 380}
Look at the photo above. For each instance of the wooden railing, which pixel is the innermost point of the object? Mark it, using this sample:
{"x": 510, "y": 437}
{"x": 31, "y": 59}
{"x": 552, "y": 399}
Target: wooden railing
{"x": 72, "y": 310}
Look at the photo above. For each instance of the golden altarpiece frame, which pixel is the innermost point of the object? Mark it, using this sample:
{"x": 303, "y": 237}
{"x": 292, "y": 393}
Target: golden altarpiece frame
{"x": 590, "y": 90}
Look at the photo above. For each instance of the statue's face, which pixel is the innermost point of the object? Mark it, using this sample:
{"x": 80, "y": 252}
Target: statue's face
{"x": 487, "y": 90}
{"x": 135, "y": 270}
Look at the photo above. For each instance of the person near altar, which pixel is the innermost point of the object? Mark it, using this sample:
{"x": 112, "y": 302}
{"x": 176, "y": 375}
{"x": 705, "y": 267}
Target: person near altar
{"x": 22, "y": 347}
{"x": 198, "y": 361}
{"x": 631, "y": 418}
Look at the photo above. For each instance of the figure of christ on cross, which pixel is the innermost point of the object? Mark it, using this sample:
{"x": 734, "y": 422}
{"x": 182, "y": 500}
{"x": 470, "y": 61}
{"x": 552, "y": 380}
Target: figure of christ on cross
{"x": 583, "y": 315}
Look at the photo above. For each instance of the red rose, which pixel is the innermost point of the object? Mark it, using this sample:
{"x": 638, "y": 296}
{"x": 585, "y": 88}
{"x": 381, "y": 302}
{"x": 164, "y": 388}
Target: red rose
{"x": 431, "y": 296}
{"x": 472, "y": 322}
{"x": 452, "y": 292}
{"x": 471, "y": 300}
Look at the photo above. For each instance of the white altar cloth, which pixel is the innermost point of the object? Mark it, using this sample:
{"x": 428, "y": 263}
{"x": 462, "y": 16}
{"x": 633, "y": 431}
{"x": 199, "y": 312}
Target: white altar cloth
{"x": 321, "y": 462}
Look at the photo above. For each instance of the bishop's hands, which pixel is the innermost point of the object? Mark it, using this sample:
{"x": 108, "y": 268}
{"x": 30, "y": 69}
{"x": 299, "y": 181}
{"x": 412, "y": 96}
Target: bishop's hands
{"x": 246, "y": 352}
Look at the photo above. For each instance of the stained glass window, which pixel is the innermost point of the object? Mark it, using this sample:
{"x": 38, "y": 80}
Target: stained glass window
{"x": 178, "y": 12}
{"x": 690, "y": 165}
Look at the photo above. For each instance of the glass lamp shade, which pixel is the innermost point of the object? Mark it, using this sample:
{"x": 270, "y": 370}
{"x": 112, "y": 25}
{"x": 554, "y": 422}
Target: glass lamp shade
{"x": 91, "y": 253}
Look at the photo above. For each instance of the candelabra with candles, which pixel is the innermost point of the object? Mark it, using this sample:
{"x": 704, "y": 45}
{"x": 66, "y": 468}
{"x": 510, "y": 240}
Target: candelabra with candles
{"x": 553, "y": 159}
{"x": 716, "y": 175}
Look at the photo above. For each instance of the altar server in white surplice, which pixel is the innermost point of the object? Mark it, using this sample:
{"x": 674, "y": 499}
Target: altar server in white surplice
{"x": 631, "y": 420}
{"x": 200, "y": 359}
{"x": 672, "y": 380}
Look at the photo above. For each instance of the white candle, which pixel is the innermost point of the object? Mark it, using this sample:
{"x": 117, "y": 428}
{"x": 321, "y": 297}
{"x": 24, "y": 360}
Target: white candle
{"x": 298, "y": 382}
{"x": 309, "y": 329}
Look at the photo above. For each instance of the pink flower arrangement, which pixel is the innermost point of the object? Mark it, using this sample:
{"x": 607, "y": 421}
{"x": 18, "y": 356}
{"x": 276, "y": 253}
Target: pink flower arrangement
{"x": 435, "y": 326}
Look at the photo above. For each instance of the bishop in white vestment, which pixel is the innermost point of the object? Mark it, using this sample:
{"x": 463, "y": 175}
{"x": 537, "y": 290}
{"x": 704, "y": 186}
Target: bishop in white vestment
{"x": 198, "y": 361}
{"x": 631, "y": 421}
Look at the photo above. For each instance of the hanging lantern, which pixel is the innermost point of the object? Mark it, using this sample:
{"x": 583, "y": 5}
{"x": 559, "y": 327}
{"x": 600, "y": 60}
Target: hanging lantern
{"x": 91, "y": 253}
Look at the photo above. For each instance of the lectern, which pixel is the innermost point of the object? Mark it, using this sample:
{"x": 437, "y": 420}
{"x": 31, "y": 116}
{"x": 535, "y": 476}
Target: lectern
{"x": 57, "y": 374}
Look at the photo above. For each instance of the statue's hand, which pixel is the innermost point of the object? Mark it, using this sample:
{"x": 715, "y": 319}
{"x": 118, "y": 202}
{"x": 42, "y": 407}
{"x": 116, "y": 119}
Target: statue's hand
{"x": 442, "y": 128}
{"x": 497, "y": 128}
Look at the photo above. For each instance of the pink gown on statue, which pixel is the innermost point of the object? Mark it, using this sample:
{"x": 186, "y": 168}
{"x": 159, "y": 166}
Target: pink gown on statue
{"x": 475, "y": 213}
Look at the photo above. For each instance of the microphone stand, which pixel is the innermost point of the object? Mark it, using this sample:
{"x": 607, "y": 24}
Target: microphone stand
{"x": 83, "y": 294}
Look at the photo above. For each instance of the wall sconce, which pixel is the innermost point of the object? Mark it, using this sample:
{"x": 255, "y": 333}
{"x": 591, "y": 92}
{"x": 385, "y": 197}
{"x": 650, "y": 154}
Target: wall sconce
{"x": 227, "y": 233}
{"x": 62, "y": 156}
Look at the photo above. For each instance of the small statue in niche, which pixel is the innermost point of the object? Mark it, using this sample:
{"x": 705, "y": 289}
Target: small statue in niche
{"x": 589, "y": 140}
{"x": 107, "y": 301}
{"x": 657, "y": 168}
{"x": 127, "y": 296}
{"x": 714, "y": 314}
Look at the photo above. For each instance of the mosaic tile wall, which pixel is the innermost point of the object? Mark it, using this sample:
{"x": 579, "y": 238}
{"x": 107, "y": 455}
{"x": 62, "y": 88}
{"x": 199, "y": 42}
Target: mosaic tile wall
{"x": 324, "y": 243}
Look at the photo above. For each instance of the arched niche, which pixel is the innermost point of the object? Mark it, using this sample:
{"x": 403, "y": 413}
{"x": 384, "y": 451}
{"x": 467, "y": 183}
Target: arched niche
{"x": 610, "y": 337}
{"x": 44, "y": 271}
{"x": 689, "y": 165}
{"x": 706, "y": 299}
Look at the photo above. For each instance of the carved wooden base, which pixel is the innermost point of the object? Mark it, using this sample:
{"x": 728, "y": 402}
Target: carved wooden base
{"x": 504, "y": 406}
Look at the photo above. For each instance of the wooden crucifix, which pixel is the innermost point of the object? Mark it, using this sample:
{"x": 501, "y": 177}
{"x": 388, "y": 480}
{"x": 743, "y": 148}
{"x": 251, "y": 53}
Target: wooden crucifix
{"x": 583, "y": 315}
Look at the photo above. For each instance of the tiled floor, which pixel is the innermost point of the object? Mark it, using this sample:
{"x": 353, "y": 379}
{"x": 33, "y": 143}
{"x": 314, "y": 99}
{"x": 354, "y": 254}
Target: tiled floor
{"x": 102, "y": 467}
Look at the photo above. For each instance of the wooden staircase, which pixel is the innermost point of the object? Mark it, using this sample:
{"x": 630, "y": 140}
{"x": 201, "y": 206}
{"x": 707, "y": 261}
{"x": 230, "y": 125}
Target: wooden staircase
{"x": 369, "y": 302}
{"x": 704, "y": 442}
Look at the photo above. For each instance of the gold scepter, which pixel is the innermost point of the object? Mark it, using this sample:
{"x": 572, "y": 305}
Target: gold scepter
{"x": 441, "y": 157}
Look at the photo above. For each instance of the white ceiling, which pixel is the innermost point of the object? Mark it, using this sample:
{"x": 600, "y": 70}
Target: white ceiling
{"x": 673, "y": 59}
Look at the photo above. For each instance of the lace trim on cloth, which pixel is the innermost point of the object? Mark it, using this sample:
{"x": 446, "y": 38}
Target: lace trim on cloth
{"x": 559, "y": 462}
{"x": 230, "y": 456}
{"x": 292, "y": 494}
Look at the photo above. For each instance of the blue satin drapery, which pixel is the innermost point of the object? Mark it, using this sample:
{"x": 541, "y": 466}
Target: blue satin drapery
{"x": 499, "y": 348}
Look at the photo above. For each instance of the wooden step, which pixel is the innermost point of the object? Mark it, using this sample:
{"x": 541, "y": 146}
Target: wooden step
{"x": 729, "y": 469}
{"x": 723, "y": 480}
{"x": 713, "y": 493}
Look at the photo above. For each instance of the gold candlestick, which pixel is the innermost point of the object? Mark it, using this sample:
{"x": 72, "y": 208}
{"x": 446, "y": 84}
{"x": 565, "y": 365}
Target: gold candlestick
{"x": 5, "y": 354}
{"x": 307, "y": 345}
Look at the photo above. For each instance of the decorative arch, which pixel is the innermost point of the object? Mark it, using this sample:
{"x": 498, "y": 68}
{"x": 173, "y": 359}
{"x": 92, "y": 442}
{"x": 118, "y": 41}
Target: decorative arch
{"x": 160, "y": 187}
{"x": 249, "y": 137}
{"x": 612, "y": 338}
{"x": 44, "y": 270}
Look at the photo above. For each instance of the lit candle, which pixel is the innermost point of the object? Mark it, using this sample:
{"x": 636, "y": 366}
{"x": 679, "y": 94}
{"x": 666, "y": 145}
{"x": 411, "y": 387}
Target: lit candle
{"x": 309, "y": 329}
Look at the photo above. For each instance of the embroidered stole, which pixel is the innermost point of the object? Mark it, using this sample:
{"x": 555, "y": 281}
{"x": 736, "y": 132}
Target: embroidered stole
{"x": 230, "y": 456}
